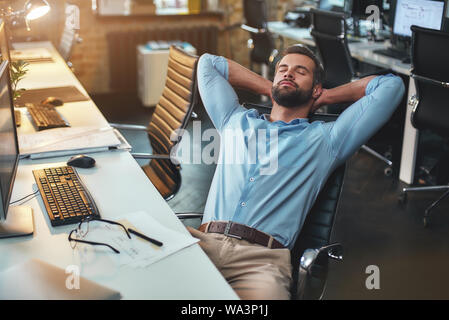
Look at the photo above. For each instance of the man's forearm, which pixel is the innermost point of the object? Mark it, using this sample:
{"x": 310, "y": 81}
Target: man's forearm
{"x": 243, "y": 78}
{"x": 348, "y": 92}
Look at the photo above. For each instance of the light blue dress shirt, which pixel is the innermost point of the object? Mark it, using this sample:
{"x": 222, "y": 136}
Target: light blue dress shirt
{"x": 273, "y": 191}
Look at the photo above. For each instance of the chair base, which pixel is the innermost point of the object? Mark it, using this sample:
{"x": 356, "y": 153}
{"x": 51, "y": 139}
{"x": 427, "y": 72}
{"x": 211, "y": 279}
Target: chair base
{"x": 388, "y": 171}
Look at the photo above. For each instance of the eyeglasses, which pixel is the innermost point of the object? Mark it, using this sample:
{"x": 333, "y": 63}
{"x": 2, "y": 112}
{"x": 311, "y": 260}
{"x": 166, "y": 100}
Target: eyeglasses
{"x": 83, "y": 229}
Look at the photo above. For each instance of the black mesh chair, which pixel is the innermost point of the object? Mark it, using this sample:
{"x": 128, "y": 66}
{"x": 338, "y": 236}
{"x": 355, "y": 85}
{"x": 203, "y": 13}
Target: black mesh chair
{"x": 262, "y": 44}
{"x": 329, "y": 33}
{"x": 312, "y": 248}
{"x": 430, "y": 72}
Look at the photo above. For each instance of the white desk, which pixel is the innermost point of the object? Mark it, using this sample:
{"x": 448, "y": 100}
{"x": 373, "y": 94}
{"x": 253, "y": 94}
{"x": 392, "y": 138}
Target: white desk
{"x": 364, "y": 51}
{"x": 118, "y": 186}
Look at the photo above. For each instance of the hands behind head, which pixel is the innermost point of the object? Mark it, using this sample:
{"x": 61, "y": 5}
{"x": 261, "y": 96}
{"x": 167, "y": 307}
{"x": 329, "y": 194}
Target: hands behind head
{"x": 320, "y": 100}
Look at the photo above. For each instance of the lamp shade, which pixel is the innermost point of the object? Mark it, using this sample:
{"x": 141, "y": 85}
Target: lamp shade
{"x": 35, "y": 9}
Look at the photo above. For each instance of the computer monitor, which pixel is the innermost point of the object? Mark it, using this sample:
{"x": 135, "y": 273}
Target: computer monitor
{"x": 422, "y": 13}
{"x": 333, "y": 5}
{"x": 4, "y": 42}
{"x": 14, "y": 220}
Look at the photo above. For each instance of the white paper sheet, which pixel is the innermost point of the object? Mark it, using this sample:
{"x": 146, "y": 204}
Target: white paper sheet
{"x": 137, "y": 252}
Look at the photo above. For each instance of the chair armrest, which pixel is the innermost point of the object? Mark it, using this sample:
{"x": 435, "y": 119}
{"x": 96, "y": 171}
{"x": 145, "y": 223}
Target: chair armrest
{"x": 128, "y": 127}
{"x": 307, "y": 264}
{"x": 189, "y": 215}
{"x": 150, "y": 156}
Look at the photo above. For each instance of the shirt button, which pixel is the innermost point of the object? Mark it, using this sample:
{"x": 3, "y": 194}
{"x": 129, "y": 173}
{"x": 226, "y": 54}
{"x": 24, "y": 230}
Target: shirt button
{"x": 251, "y": 179}
{"x": 243, "y": 204}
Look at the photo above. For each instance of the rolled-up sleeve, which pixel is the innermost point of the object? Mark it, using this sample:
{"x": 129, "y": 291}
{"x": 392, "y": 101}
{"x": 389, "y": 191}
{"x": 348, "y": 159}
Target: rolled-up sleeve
{"x": 359, "y": 122}
{"x": 218, "y": 96}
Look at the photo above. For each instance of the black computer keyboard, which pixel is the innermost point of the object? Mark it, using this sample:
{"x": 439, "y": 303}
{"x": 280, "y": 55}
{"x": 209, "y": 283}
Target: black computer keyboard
{"x": 66, "y": 200}
{"x": 46, "y": 116}
{"x": 396, "y": 54}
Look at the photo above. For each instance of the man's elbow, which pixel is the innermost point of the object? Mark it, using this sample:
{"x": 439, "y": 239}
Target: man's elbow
{"x": 396, "y": 88}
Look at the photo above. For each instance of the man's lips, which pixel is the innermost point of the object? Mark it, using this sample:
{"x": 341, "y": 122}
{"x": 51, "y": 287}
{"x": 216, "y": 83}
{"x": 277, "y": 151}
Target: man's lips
{"x": 287, "y": 83}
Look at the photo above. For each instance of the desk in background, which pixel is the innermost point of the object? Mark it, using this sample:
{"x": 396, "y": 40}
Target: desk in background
{"x": 119, "y": 186}
{"x": 364, "y": 51}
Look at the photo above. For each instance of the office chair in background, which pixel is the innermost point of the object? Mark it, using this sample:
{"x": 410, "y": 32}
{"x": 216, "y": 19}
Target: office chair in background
{"x": 70, "y": 35}
{"x": 430, "y": 72}
{"x": 329, "y": 33}
{"x": 262, "y": 44}
{"x": 312, "y": 248}
{"x": 170, "y": 118}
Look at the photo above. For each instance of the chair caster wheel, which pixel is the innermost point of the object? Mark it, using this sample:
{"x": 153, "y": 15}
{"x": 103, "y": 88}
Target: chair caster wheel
{"x": 388, "y": 155}
{"x": 402, "y": 198}
{"x": 426, "y": 222}
{"x": 388, "y": 171}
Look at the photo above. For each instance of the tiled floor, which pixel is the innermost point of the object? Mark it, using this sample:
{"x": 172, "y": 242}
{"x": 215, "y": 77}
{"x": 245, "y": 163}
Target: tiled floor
{"x": 375, "y": 230}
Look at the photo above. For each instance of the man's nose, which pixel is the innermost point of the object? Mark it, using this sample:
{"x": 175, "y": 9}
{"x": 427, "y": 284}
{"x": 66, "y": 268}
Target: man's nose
{"x": 288, "y": 74}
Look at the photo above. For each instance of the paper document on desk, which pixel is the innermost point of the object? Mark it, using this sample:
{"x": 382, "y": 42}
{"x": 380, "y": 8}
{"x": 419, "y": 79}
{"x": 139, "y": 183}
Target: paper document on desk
{"x": 31, "y": 55}
{"x": 67, "y": 141}
{"x": 137, "y": 252}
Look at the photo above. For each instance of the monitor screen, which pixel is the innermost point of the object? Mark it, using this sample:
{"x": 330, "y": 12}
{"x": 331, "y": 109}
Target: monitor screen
{"x": 332, "y": 5}
{"x": 9, "y": 151}
{"x": 422, "y": 13}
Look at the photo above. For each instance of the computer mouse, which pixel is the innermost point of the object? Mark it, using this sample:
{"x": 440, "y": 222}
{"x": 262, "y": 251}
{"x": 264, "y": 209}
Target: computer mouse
{"x": 81, "y": 161}
{"x": 53, "y": 101}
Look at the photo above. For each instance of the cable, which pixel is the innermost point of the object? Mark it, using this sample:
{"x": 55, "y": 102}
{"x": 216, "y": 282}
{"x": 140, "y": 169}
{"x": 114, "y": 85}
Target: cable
{"x": 31, "y": 194}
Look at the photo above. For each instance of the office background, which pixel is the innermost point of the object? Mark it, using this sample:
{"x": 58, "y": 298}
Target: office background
{"x": 374, "y": 228}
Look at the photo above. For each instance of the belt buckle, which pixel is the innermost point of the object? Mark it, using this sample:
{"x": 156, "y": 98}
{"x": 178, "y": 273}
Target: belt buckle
{"x": 228, "y": 228}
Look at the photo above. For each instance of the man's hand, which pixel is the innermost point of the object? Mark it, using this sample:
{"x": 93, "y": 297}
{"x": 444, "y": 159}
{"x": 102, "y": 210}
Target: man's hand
{"x": 320, "y": 101}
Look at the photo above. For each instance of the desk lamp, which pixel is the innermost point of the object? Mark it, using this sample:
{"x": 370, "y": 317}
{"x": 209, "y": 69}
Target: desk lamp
{"x": 33, "y": 9}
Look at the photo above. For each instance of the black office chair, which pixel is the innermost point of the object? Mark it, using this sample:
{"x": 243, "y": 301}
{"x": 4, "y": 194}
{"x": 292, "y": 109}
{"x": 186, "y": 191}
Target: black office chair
{"x": 312, "y": 248}
{"x": 170, "y": 118}
{"x": 430, "y": 72}
{"x": 329, "y": 33}
{"x": 262, "y": 44}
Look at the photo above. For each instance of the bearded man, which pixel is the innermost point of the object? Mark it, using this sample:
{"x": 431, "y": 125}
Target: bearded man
{"x": 253, "y": 217}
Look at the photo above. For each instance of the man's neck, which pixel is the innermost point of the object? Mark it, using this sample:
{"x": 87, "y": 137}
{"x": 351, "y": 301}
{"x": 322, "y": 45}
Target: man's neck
{"x": 280, "y": 113}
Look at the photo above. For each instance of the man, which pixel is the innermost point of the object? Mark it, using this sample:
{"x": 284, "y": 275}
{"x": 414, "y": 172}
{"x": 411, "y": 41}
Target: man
{"x": 252, "y": 219}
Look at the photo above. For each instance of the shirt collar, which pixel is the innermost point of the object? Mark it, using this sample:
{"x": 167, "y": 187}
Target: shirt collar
{"x": 266, "y": 117}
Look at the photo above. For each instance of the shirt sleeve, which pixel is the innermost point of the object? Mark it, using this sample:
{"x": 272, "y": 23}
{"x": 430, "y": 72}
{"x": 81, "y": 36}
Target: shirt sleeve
{"x": 359, "y": 122}
{"x": 218, "y": 96}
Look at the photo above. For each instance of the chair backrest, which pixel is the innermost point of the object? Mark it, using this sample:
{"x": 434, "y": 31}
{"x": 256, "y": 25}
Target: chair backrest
{"x": 317, "y": 228}
{"x": 170, "y": 118}
{"x": 255, "y": 13}
{"x": 329, "y": 34}
{"x": 68, "y": 39}
{"x": 430, "y": 71}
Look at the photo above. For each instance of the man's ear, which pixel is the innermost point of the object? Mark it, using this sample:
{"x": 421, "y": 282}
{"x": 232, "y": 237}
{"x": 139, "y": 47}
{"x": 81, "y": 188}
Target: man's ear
{"x": 317, "y": 91}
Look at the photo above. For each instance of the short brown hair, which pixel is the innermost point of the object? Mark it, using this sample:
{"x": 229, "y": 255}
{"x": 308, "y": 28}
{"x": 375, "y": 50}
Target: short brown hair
{"x": 318, "y": 73}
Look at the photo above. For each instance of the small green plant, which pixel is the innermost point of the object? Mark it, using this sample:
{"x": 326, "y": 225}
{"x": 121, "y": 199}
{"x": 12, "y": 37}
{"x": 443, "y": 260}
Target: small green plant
{"x": 18, "y": 71}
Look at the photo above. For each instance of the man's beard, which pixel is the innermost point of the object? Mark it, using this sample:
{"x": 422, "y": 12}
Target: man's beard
{"x": 290, "y": 98}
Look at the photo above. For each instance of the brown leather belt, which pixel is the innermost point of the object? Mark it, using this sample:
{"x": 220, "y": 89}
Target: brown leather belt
{"x": 240, "y": 231}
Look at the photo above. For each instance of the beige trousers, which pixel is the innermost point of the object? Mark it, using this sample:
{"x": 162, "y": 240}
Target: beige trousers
{"x": 254, "y": 272}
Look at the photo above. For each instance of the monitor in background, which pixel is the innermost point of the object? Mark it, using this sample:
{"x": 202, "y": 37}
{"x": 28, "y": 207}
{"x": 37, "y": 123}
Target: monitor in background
{"x": 333, "y": 5}
{"x": 4, "y": 42}
{"x": 14, "y": 220}
{"x": 422, "y": 13}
